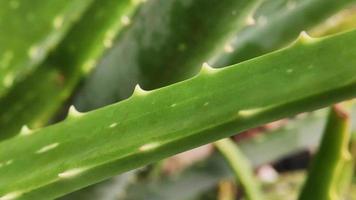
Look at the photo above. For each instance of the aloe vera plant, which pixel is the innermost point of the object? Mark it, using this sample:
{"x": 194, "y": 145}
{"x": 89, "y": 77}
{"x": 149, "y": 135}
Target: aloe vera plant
{"x": 77, "y": 55}
{"x": 242, "y": 45}
{"x": 315, "y": 77}
{"x": 163, "y": 42}
{"x": 25, "y": 43}
{"x": 172, "y": 38}
{"x": 64, "y": 67}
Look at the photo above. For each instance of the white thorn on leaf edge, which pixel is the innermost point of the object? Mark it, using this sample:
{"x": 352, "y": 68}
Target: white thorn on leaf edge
{"x": 207, "y": 69}
{"x": 304, "y": 38}
{"x": 25, "y": 130}
{"x": 73, "y": 112}
{"x": 139, "y": 91}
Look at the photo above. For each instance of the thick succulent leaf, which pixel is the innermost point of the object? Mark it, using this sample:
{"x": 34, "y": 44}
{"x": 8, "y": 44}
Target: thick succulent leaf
{"x": 29, "y": 29}
{"x": 59, "y": 74}
{"x": 300, "y": 133}
{"x": 152, "y": 125}
{"x": 167, "y": 42}
{"x": 276, "y": 23}
{"x": 242, "y": 168}
{"x": 325, "y": 178}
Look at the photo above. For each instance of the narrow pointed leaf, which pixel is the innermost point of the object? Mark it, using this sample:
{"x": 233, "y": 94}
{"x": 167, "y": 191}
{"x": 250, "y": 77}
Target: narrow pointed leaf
{"x": 167, "y": 42}
{"x": 150, "y": 126}
{"x": 326, "y": 178}
{"x": 59, "y": 74}
{"x": 277, "y": 23}
{"x": 29, "y": 29}
{"x": 242, "y": 168}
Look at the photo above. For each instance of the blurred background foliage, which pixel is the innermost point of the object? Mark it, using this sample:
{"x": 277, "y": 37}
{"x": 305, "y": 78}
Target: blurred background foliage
{"x": 158, "y": 42}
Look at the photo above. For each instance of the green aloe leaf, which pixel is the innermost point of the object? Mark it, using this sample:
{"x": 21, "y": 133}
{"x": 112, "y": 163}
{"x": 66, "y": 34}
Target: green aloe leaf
{"x": 151, "y": 125}
{"x": 29, "y": 29}
{"x": 241, "y": 167}
{"x": 300, "y": 133}
{"x": 284, "y": 24}
{"x": 327, "y": 178}
{"x": 276, "y": 24}
{"x": 63, "y": 69}
{"x": 166, "y": 43}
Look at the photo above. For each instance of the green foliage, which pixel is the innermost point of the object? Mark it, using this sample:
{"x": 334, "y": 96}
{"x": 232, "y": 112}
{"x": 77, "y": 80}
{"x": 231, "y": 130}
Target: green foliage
{"x": 330, "y": 174}
{"x": 241, "y": 167}
{"x": 278, "y": 22}
{"x": 167, "y": 42}
{"x": 29, "y": 30}
{"x": 47, "y": 48}
{"x": 171, "y": 54}
{"x": 90, "y": 147}
{"x": 63, "y": 69}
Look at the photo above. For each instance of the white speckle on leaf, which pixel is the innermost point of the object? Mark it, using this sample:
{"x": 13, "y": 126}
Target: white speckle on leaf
{"x": 228, "y": 48}
{"x": 206, "y": 103}
{"x": 47, "y": 148}
{"x": 113, "y": 125}
{"x": 173, "y": 105}
{"x": 107, "y": 42}
{"x": 11, "y": 196}
{"x": 8, "y": 80}
{"x": 149, "y": 146}
{"x": 289, "y": 71}
{"x": 9, "y": 162}
{"x": 109, "y": 37}
{"x": 88, "y": 65}
{"x": 138, "y": 1}
{"x": 250, "y": 21}
{"x": 58, "y": 22}
{"x": 34, "y": 52}
{"x": 71, "y": 173}
{"x": 125, "y": 20}
{"x": 249, "y": 112}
